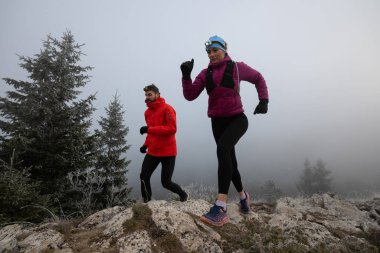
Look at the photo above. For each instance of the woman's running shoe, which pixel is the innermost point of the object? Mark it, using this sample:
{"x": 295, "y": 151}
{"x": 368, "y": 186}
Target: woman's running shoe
{"x": 244, "y": 205}
{"x": 216, "y": 216}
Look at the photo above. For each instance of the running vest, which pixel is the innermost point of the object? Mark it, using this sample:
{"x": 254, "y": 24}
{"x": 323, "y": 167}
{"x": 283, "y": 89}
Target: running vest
{"x": 227, "y": 80}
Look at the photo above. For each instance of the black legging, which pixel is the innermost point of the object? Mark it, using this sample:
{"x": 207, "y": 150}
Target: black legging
{"x": 149, "y": 165}
{"x": 227, "y": 132}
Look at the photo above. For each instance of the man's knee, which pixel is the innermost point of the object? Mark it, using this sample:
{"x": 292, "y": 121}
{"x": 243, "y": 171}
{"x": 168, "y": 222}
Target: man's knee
{"x": 166, "y": 183}
{"x": 143, "y": 177}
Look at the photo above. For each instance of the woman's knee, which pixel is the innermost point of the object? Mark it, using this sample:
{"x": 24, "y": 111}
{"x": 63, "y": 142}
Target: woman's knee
{"x": 223, "y": 150}
{"x": 166, "y": 184}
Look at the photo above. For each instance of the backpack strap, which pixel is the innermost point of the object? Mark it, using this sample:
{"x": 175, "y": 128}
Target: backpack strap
{"x": 210, "y": 85}
{"x": 227, "y": 80}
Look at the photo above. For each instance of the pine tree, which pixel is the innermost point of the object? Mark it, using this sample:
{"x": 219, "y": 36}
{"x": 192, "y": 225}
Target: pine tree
{"x": 305, "y": 182}
{"x": 111, "y": 164}
{"x": 43, "y": 118}
{"x": 314, "y": 179}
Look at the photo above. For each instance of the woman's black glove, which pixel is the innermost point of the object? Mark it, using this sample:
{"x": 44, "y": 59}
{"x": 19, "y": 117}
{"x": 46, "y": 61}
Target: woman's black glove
{"x": 143, "y": 130}
{"x": 262, "y": 107}
{"x": 143, "y": 149}
{"x": 186, "y": 69}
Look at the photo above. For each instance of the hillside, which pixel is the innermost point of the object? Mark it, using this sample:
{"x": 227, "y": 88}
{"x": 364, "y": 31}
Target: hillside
{"x": 322, "y": 223}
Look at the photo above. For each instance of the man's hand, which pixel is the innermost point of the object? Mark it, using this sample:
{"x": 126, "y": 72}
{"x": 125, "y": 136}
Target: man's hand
{"x": 262, "y": 107}
{"x": 143, "y": 149}
{"x": 143, "y": 130}
{"x": 186, "y": 69}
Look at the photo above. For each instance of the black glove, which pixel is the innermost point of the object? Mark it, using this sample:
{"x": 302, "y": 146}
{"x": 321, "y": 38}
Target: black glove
{"x": 143, "y": 130}
{"x": 186, "y": 69}
{"x": 143, "y": 149}
{"x": 262, "y": 107}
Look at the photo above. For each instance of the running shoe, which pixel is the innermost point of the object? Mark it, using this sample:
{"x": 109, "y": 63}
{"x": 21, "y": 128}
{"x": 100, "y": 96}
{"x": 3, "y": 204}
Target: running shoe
{"x": 244, "y": 205}
{"x": 216, "y": 216}
{"x": 185, "y": 197}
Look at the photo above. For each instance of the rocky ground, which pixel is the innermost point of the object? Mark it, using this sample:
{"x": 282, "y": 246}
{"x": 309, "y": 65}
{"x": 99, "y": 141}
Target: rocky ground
{"x": 322, "y": 223}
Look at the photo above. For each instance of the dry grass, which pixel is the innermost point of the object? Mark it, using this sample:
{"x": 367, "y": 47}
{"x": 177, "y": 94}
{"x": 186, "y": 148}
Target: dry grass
{"x": 142, "y": 219}
{"x": 162, "y": 241}
{"x": 81, "y": 240}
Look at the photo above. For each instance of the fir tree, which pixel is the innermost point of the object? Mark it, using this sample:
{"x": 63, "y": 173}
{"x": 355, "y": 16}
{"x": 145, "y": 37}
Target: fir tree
{"x": 314, "y": 179}
{"x": 112, "y": 163}
{"x": 43, "y": 118}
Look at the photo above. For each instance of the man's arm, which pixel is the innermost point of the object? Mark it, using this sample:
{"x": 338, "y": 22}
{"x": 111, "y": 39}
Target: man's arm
{"x": 147, "y": 139}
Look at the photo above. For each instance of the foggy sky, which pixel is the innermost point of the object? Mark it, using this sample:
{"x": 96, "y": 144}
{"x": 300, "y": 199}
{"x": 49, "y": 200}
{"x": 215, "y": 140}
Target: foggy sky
{"x": 320, "y": 59}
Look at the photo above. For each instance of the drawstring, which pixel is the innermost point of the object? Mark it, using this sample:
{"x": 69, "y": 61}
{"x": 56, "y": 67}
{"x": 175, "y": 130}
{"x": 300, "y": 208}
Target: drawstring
{"x": 147, "y": 197}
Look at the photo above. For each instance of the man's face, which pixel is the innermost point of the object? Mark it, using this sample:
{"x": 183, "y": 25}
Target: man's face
{"x": 151, "y": 96}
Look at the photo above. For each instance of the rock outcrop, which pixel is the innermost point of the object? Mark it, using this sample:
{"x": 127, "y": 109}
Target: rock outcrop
{"x": 322, "y": 223}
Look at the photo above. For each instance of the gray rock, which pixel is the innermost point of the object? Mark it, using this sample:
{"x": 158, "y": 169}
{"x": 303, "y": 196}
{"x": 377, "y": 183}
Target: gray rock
{"x": 39, "y": 241}
{"x": 320, "y": 223}
{"x": 137, "y": 242}
{"x": 97, "y": 219}
{"x": 8, "y": 237}
{"x": 323, "y": 220}
{"x": 175, "y": 218}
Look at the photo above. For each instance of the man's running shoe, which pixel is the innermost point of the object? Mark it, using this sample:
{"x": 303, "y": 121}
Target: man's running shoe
{"x": 185, "y": 197}
{"x": 244, "y": 205}
{"x": 216, "y": 216}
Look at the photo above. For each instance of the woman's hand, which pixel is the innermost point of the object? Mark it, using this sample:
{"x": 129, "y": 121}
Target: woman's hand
{"x": 262, "y": 107}
{"x": 186, "y": 69}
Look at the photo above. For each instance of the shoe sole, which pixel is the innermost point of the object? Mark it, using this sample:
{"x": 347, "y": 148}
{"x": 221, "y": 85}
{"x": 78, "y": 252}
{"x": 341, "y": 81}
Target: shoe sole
{"x": 213, "y": 223}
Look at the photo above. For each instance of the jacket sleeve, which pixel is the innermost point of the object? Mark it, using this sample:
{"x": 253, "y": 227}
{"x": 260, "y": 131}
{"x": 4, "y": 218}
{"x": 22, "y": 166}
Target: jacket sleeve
{"x": 192, "y": 90}
{"x": 147, "y": 141}
{"x": 148, "y": 137}
{"x": 171, "y": 124}
{"x": 246, "y": 73}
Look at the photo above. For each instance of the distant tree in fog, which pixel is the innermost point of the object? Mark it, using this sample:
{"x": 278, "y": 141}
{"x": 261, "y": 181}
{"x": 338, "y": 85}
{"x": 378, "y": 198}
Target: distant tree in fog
{"x": 314, "y": 179}
{"x": 269, "y": 192}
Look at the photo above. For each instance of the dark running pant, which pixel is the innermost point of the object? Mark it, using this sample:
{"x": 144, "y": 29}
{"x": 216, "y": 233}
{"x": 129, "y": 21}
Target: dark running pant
{"x": 149, "y": 165}
{"x": 227, "y": 132}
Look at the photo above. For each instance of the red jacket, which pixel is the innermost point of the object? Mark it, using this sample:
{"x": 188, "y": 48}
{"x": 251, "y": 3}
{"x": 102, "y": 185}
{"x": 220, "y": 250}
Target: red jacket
{"x": 160, "y": 118}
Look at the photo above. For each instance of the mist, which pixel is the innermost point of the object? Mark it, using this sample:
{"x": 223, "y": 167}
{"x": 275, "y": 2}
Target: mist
{"x": 320, "y": 61}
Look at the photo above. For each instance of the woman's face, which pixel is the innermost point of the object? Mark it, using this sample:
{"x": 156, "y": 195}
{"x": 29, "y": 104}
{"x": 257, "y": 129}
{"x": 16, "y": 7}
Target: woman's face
{"x": 215, "y": 54}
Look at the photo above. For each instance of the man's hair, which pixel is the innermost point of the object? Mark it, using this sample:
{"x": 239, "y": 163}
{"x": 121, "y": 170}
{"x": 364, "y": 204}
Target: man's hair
{"x": 151, "y": 87}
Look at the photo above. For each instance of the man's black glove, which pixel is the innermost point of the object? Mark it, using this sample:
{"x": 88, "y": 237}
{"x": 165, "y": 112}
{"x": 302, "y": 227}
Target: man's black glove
{"x": 262, "y": 107}
{"x": 186, "y": 69}
{"x": 143, "y": 149}
{"x": 143, "y": 130}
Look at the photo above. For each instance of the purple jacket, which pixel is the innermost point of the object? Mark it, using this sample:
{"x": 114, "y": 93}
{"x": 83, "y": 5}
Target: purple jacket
{"x": 222, "y": 101}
